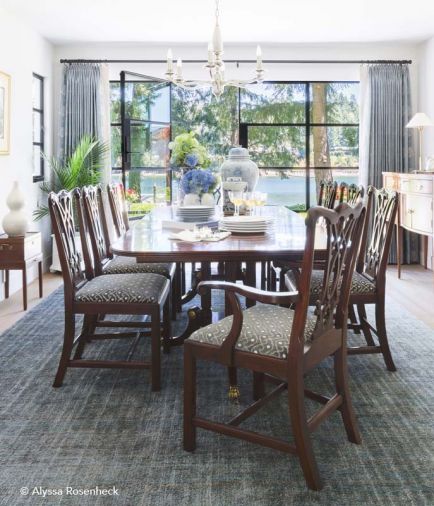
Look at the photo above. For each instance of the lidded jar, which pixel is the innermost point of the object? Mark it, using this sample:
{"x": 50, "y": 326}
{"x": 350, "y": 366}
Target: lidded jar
{"x": 240, "y": 165}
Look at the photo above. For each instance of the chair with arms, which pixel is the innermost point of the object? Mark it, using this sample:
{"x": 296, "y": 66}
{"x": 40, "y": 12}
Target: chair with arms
{"x": 90, "y": 296}
{"x": 283, "y": 345}
{"x": 369, "y": 279}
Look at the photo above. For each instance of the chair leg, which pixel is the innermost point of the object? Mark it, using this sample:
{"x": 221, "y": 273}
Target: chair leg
{"x": 189, "y": 400}
{"x": 174, "y": 295}
{"x": 301, "y": 432}
{"x": 6, "y": 284}
{"x": 364, "y": 326}
{"x": 380, "y": 322}
{"x": 352, "y": 317}
{"x": 167, "y": 324}
{"x": 155, "y": 351}
{"x": 68, "y": 341}
{"x": 342, "y": 388}
{"x": 258, "y": 385}
{"x": 89, "y": 322}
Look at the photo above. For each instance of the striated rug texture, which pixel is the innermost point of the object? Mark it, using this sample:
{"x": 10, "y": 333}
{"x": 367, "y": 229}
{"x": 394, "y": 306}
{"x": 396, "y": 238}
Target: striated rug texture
{"x": 104, "y": 428}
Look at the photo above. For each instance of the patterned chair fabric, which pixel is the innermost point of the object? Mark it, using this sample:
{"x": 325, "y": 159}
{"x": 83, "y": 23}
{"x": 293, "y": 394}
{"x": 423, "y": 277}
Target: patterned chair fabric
{"x": 123, "y": 288}
{"x": 129, "y": 265}
{"x": 359, "y": 283}
{"x": 266, "y": 330}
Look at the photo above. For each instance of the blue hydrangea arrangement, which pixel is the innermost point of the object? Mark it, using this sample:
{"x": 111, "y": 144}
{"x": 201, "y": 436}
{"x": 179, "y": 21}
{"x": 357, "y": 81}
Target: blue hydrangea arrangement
{"x": 198, "y": 181}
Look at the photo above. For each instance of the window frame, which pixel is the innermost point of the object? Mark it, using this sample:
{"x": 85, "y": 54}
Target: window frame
{"x": 243, "y": 132}
{"x": 41, "y": 111}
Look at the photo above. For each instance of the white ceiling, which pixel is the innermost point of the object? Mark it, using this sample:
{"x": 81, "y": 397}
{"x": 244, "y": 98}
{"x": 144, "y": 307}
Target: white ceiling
{"x": 279, "y": 21}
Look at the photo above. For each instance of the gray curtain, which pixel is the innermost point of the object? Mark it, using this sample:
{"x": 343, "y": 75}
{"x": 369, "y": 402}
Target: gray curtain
{"x": 80, "y": 108}
{"x": 389, "y": 144}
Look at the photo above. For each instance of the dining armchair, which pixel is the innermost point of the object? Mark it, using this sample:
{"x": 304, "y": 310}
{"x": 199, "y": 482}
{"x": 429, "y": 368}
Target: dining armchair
{"x": 283, "y": 345}
{"x": 368, "y": 284}
{"x": 90, "y": 296}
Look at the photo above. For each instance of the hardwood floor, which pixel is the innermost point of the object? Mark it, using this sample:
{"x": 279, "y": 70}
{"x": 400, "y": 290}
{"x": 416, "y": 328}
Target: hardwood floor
{"x": 415, "y": 291}
{"x": 11, "y": 310}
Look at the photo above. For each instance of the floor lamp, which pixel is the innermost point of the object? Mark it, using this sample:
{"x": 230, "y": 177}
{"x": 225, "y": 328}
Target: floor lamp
{"x": 420, "y": 120}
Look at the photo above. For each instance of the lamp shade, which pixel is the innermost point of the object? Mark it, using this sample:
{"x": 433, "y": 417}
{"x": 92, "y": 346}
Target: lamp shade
{"x": 420, "y": 119}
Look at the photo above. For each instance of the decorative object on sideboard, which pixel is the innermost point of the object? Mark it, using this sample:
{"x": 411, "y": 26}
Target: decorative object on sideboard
{"x": 216, "y": 66}
{"x": 237, "y": 169}
{"x": 15, "y": 222}
{"x": 420, "y": 120}
{"x": 5, "y": 101}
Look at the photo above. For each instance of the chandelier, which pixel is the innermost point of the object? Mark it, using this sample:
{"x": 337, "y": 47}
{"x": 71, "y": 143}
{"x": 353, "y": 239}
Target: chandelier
{"x": 215, "y": 65}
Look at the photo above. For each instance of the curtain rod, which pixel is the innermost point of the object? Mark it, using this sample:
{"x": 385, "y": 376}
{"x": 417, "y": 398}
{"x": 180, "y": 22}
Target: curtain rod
{"x": 390, "y": 62}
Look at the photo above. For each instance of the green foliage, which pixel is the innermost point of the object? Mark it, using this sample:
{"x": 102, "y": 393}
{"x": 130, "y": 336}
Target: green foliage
{"x": 82, "y": 168}
{"x": 140, "y": 208}
{"x": 186, "y": 144}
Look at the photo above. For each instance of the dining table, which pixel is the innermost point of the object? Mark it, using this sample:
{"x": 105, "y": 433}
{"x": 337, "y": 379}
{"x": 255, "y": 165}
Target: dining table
{"x": 151, "y": 240}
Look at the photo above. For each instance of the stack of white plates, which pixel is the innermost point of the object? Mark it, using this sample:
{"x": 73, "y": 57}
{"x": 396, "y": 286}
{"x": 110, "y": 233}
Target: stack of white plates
{"x": 246, "y": 224}
{"x": 197, "y": 214}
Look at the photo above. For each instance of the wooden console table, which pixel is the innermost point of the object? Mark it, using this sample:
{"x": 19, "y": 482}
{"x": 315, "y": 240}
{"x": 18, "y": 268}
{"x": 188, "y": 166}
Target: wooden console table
{"x": 415, "y": 213}
{"x": 20, "y": 253}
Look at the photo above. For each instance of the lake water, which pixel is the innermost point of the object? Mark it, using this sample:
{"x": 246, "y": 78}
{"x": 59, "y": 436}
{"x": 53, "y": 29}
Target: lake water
{"x": 289, "y": 192}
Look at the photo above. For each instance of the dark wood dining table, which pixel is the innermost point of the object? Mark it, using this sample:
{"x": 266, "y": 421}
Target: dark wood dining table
{"x": 148, "y": 241}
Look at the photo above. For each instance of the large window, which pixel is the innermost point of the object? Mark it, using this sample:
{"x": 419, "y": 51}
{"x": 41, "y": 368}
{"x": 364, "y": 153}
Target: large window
{"x": 38, "y": 127}
{"x": 297, "y": 132}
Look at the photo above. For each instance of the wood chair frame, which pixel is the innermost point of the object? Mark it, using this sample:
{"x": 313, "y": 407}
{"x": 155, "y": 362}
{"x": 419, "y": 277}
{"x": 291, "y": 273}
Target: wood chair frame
{"x": 62, "y": 218}
{"x": 327, "y": 194}
{"x": 116, "y": 198}
{"x": 329, "y": 338}
{"x": 372, "y": 263}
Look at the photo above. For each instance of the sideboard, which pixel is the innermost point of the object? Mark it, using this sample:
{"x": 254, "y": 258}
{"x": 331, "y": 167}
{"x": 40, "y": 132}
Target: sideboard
{"x": 415, "y": 213}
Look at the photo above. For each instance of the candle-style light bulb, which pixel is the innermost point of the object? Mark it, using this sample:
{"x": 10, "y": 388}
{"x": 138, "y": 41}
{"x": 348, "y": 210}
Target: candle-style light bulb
{"x": 179, "y": 68}
{"x": 258, "y": 58}
{"x": 169, "y": 61}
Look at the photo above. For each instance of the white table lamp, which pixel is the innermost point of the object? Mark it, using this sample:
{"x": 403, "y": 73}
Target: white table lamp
{"x": 420, "y": 120}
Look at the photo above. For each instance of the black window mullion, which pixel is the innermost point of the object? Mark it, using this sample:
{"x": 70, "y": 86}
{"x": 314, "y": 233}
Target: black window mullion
{"x": 40, "y": 110}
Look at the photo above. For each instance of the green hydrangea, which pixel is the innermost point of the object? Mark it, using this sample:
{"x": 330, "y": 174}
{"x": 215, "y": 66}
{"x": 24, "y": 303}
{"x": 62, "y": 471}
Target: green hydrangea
{"x": 185, "y": 145}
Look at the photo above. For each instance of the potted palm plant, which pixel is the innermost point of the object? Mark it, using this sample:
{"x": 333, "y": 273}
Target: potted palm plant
{"x": 81, "y": 168}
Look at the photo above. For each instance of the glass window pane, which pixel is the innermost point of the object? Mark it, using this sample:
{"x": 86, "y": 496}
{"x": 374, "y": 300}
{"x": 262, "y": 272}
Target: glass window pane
{"x": 149, "y": 145}
{"x": 349, "y": 176}
{"x": 284, "y": 187}
{"x": 36, "y": 93}
{"x": 147, "y": 101}
{"x": 116, "y": 146}
{"x": 37, "y": 126}
{"x": 277, "y": 146}
{"x": 334, "y": 102}
{"x": 145, "y": 187}
{"x": 273, "y": 103}
{"x": 37, "y": 158}
{"x": 334, "y": 146}
{"x": 215, "y": 121}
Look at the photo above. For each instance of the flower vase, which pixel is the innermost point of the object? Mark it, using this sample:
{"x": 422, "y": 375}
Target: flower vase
{"x": 15, "y": 223}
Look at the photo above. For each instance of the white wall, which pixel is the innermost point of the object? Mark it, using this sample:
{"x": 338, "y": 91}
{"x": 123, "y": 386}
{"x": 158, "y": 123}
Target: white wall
{"x": 23, "y": 51}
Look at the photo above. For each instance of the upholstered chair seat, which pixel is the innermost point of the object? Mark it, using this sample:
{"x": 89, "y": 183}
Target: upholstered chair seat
{"x": 360, "y": 284}
{"x": 266, "y": 330}
{"x": 127, "y": 265}
{"x": 123, "y": 288}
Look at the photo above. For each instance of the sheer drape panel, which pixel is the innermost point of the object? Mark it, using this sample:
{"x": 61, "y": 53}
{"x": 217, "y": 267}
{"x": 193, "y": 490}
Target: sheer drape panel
{"x": 385, "y": 143}
{"x": 80, "y": 108}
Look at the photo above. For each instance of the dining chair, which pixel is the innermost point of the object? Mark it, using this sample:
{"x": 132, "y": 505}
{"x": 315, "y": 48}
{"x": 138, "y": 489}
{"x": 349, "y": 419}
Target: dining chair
{"x": 118, "y": 294}
{"x": 349, "y": 193}
{"x": 368, "y": 284}
{"x": 119, "y": 216}
{"x": 327, "y": 193}
{"x": 283, "y": 345}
